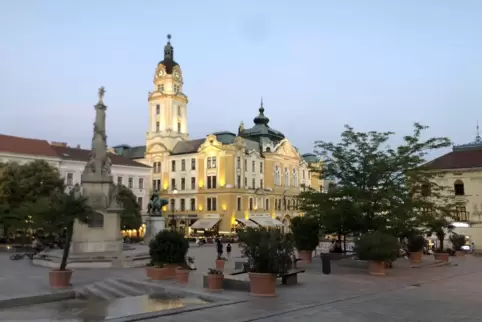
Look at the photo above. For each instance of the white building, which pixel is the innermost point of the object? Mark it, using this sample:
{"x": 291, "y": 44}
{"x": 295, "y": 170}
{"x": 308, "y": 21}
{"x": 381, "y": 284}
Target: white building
{"x": 71, "y": 162}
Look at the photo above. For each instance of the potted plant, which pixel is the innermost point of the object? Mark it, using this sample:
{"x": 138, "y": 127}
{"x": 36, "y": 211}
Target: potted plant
{"x": 220, "y": 261}
{"x": 168, "y": 251}
{"x": 458, "y": 241}
{"x": 305, "y": 233}
{"x": 215, "y": 279}
{"x": 377, "y": 248}
{"x": 269, "y": 253}
{"x": 60, "y": 211}
{"x": 182, "y": 272}
{"x": 438, "y": 226}
{"x": 415, "y": 246}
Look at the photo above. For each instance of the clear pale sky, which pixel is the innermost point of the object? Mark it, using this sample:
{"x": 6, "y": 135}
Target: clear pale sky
{"x": 376, "y": 65}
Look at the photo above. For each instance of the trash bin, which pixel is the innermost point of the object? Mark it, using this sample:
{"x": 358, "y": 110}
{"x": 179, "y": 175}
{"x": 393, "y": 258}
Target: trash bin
{"x": 325, "y": 263}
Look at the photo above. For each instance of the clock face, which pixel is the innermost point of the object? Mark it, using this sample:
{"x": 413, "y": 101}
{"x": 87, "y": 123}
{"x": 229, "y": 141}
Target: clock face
{"x": 160, "y": 73}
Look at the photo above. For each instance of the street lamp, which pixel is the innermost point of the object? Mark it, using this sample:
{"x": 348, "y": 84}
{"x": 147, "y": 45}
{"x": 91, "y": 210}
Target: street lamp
{"x": 173, "y": 220}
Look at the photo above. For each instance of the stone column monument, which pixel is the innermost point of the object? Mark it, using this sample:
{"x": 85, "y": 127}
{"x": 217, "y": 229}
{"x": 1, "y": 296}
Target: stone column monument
{"x": 156, "y": 221}
{"x": 102, "y": 234}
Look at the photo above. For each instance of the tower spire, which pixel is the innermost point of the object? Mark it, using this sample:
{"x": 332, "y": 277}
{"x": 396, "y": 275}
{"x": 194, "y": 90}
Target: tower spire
{"x": 168, "y": 49}
{"x": 477, "y": 136}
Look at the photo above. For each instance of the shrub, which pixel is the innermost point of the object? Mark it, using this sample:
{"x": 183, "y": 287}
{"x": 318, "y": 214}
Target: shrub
{"x": 457, "y": 241}
{"x": 377, "y": 246}
{"x": 267, "y": 251}
{"x": 168, "y": 247}
{"x": 415, "y": 243}
{"x": 305, "y": 232}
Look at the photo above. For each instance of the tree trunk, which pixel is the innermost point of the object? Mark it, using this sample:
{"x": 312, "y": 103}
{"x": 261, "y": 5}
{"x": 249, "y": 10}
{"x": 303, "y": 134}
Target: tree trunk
{"x": 68, "y": 240}
{"x": 344, "y": 244}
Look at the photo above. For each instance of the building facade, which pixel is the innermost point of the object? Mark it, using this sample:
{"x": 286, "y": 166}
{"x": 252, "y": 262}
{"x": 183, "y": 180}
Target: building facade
{"x": 224, "y": 179}
{"x": 71, "y": 162}
{"x": 461, "y": 170}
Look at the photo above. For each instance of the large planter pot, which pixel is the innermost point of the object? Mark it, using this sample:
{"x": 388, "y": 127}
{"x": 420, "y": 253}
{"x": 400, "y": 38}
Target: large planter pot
{"x": 182, "y": 275}
{"x": 388, "y": 264}
{"x": 157, "y": 273}
{"x": 220, "y": 263}
{"x": 459, "y": 253}
{"x": 416, "y": 257}
{"x": 262, "y": 284}
{"x": 305, "y": 256}
{"x": 376, "y": 268}
{"x": 171, "y": 270}
{"x": 215, "y": 282}
{"x": 60, "y": 279}
{"x": 444, "y": 257}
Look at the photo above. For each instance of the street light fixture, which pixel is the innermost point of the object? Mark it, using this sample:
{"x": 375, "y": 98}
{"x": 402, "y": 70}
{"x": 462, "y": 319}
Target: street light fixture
{"x": 173, "y": 220}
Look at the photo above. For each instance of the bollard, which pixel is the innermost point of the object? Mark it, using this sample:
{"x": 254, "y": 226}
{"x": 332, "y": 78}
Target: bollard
{"x": 325, "y": 263}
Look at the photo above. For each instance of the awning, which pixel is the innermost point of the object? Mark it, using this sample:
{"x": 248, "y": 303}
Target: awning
{"x": 205, "y": 223}
{"x": 247, "y": 223}
{"x": 266, "y": 221}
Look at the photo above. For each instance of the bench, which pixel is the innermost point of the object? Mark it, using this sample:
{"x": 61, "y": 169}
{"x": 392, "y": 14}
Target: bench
{"x": 290, "y": 277}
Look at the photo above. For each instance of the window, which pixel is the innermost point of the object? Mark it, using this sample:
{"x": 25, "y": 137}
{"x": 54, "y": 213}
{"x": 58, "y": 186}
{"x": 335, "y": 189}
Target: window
{"x": 183, "y": 165}
{"x": 238, "y": 181}
{"x": 173, "y": 165}
{"x": 211, "y": 204}
{"x": 295, "y": 179}
{"x": 179, "y": 110}
{"x": 266, "y": 204}
{"x": 158, "y": 126}
{"x": 158, "y": 109}
{"x": 173, "y": 183}
{"x": 176, "y": 88}
{"x": 284, "y": 203}
{"x": 173, "y": 205}
{"x": 139, "y": 201}
{"x": 459, "y": 188}
{"x": 70, "y": 179}
{"x": 193, "y": 183}
{"x": 253, "y": 166}
{"x": 251, "y": 204}
{"x": 183, "y": 204}
{"x": 331, "y": 187}
{"x": 238, "y": 163}
{"x": 253, "y": 184}
{"x": 157, "y": 167}
{"x": 245, "y": 165}
{"x": 178, "y": 127}
{"x": 193, "y": 204}
{"x": 277, "y": 176}
{"x": 211, "y": 162}
{"x": 156, "y": 184}
{"x": 286, "y": 178}
{"x": 304, "y": 173}
{"x": 238, "y": 204}
{"x": 211, "y": 182}
{"x": 261, "y": 183}
{"x": 130, "y": 182}
{"x": 183, "y": 183}
{"x": 141, "y": 183}
{"x": 245, "y": 182}
{"x": 119, "y": 180}
{"x": 461, "y": 213}
{"x": 261, "y": 167}
{"x": 425, "y": 190}
{"x": 193, "y": 164}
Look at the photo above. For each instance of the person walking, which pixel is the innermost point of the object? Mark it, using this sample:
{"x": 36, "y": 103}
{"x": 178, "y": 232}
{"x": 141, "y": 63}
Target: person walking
{"x": 219, "y": 248}
{"x": 228, "y": 250}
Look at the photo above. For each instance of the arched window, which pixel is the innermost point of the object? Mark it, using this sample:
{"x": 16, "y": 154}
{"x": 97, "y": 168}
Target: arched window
{"x": 287, "y": 178}
{"x": 425, "y": 190}
{"x": 459, "y": 188}
{"x": 295, "y": 178}
{"x": 331, "y": 187}
{"x": 277, "y": 176}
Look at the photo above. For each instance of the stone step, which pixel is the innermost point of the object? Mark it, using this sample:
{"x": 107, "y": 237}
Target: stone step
{"x": 95, "y": 291}
{"x": 110, "y": 288}
{"x": 127, "y": 289}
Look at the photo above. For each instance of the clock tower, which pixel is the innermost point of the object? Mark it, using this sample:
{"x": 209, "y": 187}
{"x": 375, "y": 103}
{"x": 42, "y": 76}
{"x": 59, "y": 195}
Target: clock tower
{"x": 167, "y": 105}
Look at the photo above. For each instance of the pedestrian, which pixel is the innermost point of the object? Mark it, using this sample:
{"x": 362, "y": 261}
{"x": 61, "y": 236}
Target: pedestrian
{"x": 228, "y": 250}
{"x": 219, "y": 248}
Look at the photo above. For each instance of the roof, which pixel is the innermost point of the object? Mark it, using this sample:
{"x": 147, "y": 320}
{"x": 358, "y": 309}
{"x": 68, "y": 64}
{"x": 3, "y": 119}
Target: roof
{"x": 19, "y": 145}
{"x": 310, "y": 158}
{"x": 134, "y": 152}
{"x": 262, "y": 129}
{"x": 75, "y": 154}
{"x": 457, "y": 159}
{"x": 186, "y": 147}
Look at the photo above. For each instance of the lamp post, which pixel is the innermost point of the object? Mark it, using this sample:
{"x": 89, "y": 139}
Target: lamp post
{"x": 173, "y": 221}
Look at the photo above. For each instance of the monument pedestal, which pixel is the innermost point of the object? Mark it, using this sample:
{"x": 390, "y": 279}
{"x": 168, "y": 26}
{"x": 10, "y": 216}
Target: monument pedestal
{"x": 154, "y": 225}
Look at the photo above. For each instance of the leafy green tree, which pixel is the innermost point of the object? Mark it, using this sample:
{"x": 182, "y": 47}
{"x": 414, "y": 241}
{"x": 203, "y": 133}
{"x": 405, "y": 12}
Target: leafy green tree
{"x": 384, "y": 188}
{"x": 25, "y": 184}
{"x": 306, "y": 232}
{"x": 131, "y": 214}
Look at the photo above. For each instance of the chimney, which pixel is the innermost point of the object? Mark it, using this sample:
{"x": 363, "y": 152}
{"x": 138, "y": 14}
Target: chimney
{"x": 61, "y": 144}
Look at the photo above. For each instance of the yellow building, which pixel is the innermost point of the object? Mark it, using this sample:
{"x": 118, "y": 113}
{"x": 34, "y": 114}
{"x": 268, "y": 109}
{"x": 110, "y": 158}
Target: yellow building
{"x": 224, "y": 179}
{"x": 461, "y": 170}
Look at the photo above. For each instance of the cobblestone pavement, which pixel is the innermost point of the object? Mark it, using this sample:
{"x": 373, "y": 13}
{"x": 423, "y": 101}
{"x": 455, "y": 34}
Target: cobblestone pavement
{"x": 447, "y": 293}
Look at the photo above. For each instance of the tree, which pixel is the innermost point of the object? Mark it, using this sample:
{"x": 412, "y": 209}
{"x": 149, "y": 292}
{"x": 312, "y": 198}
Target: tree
{"x": 131, "y": 214}
{"x": 388, "y": 188}
{"x": 23, "y": 184}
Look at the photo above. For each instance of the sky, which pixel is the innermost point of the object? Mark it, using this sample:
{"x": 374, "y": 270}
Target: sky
{"x": 318, "y": 65}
